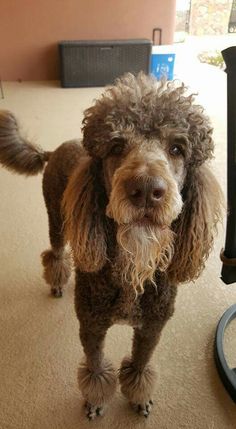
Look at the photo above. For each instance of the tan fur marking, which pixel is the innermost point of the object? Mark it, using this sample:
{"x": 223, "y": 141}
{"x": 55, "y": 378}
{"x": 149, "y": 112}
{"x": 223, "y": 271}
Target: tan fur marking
{"x": 83, "y": 228}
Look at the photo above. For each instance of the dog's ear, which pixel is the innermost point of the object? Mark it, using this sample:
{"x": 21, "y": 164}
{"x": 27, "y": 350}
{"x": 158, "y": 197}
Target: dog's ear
{"x": 196, "y": 226}
{"x": 83, "y": 207}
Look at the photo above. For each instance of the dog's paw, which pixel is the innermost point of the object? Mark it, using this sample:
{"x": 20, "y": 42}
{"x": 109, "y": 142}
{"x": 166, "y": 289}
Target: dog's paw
{"x": 143, "y": 409}
{"x": 57, "y": 292}
{"x": 93, "y": 411}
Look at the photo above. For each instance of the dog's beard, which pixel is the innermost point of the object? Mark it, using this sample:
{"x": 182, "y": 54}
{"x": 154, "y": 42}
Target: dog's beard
{"x": 145, "y": 249}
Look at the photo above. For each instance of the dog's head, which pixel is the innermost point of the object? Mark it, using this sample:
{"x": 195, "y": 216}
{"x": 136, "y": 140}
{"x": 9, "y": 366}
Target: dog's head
{"x": 147, "y": 144}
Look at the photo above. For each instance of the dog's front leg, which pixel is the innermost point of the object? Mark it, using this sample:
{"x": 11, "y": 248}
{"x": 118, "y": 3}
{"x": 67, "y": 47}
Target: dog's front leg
{"x": 137, "y": 377}
{"x": 96, "y": 376}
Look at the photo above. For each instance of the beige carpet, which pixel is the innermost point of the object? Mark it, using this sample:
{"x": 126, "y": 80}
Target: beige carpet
{"x": 39, "y": 341}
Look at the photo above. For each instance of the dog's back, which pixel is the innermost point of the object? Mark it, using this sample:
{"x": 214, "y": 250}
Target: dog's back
{"x": 59, "y": 168}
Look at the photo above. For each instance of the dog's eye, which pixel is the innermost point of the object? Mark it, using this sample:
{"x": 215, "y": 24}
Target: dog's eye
{"x": 116, "y": 150}
{"x": 178, "y": 145}
{"x": 176, "y": 150}
{"x": 117, "y": 147}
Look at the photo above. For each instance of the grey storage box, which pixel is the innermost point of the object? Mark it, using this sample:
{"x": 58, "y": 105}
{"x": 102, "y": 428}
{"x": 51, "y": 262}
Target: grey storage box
{"x": 97, "y": 63}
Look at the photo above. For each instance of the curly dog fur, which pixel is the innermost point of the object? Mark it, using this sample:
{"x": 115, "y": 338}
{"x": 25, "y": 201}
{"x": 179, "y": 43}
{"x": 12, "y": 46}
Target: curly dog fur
{"x": 139, "y": 207}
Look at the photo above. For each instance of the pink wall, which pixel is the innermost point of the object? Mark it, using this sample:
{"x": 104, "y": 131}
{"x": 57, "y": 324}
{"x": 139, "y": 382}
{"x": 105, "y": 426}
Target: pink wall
{"x": 30, "y": 29}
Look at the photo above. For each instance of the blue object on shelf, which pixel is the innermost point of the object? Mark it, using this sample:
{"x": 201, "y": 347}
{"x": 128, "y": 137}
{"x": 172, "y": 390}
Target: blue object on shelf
{"x": 162, "y": 62}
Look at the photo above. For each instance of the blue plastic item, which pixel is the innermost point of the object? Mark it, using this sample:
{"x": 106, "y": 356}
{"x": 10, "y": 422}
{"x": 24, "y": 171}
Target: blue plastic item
{"x": 162, "y": 64}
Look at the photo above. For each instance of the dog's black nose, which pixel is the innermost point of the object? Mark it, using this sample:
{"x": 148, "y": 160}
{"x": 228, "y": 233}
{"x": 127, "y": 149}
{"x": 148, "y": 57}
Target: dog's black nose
{"x": 145, "y": 191}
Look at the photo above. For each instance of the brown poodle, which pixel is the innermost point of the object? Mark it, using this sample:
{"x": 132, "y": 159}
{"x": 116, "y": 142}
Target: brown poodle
{"x": 139, "y": 207}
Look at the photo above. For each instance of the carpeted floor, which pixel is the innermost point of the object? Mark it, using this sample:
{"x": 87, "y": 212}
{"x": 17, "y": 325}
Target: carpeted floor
{"x": 39, "y": 342}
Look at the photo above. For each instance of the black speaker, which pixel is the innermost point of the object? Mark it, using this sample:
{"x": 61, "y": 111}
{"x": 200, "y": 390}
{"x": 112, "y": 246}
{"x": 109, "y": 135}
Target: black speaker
{"x": 98, "y": 63}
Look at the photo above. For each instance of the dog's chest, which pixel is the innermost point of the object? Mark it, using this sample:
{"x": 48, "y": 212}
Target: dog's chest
{"x": 127, "y": 310}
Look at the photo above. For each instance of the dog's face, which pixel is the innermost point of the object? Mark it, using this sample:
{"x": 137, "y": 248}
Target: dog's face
{"x": 144, "y": 176}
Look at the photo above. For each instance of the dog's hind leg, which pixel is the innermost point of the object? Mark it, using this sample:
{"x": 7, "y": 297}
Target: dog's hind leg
{"x": 137, "y": 377}
{"x": 96, "y": 376}
{"x": 57, "y": 261}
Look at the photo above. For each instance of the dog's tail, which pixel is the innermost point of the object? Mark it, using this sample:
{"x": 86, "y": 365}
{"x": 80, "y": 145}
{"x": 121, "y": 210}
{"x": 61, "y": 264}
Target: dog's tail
{"x": 16, "y": 153}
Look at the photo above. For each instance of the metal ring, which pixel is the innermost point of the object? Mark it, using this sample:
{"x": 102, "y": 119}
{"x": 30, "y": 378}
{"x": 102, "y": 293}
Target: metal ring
{"x": 227, "y": 375}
